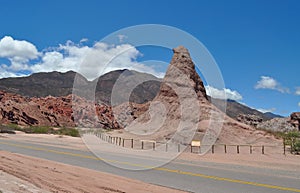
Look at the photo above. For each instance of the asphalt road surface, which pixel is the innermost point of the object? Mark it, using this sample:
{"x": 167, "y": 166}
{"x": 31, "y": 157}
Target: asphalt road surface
{"x": 202, "y": 177}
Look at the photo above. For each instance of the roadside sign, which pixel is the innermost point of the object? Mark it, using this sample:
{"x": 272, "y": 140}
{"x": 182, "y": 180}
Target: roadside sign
{"x": 196, "y": 144}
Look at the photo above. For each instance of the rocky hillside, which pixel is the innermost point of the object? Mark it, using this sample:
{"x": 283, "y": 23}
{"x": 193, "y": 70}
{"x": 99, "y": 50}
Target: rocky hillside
{"x": 235, "y": 109}
{"x": 124, "y": 79}
{"x": 41, "y": 84}
{"x": 54, "y": 111}
{"x": 291, "y": 123}
{"x": 61, "y": 84}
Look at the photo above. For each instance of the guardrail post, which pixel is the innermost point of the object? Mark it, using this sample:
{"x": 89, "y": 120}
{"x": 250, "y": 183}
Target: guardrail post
{"x": 166, "y": 147}
{"x": 250, "y": 149}
{"x": 263, "y": 149}
{"x": 132, "y": 143}
{"x": 238, "y": 149}
{"x": 153, "y": 145}
{"x": 213, "y": 149}
{"x": 225, "y": 148}
{"x": 123, "y": 142}
{"x": 284, "y": 146}
{"x": 292, "y": 145}
{"x": 142, "y": 144}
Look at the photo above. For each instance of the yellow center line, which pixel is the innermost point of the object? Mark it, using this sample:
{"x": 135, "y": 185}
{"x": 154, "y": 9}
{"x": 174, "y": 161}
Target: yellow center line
{"x": 158, "y": 169}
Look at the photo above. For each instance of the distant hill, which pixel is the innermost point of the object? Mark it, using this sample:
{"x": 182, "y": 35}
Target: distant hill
{"x": 61, "y": 84}
{"x": 41, "y": 84}
{"x": 272, "y": 115}
{"x": 127, "y": 79}
{"x": 234, "y": 108}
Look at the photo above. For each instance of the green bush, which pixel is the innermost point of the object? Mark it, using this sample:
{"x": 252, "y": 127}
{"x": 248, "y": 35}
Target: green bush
{"x": 68, "y": 131}
{"x": 293, "y": 134}
{"x": 293, "y": 139}
{"x": 296, "y": 146}
{"x": 14, "y": 126}
{"x": 42, "y": 130}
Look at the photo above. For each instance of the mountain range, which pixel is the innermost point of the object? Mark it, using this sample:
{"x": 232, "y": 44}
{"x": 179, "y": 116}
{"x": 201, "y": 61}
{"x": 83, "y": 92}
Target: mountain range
{"x": 59, "y": 84}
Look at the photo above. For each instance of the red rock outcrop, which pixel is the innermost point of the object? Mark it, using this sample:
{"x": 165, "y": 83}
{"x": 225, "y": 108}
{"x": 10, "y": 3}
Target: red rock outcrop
{"x": 54, "y": 111}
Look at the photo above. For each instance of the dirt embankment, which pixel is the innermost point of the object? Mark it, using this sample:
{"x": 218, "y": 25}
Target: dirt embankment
{"x": 55, "y": 177}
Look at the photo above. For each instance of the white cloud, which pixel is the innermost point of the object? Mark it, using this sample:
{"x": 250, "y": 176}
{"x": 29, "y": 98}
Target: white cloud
{"x": 6, "y": 73}
{"x": 90, "y": 61}
{"x": 84, "y": 40}
{"x": 224, "y": 93}
{"x": 17, "y": 51}
{"x": 267, "y": 82}
{"x": 297, "y": 91}
{"x": 271, "y": 110}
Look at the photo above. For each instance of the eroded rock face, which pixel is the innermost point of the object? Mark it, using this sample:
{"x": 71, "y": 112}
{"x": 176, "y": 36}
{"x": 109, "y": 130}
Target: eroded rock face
{"x": 176, "y": 106}
{"x": 183, "y": 104}
{"x": 248, "y": 119}
{"x": 277, "y": 125}
{"x": 295, "y": 119}
{"x": 54, "y": 111}
{"x": 182, "y": 68}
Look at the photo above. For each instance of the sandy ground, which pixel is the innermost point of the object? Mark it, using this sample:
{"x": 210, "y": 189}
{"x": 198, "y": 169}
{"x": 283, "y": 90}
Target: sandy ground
{"x": 55, "y": 177}
{"x": 60, "y": 178}
{"x": 12, "y": 184}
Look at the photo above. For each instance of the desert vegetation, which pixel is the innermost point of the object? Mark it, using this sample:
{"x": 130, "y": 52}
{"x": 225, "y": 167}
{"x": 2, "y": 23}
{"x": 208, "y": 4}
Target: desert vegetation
{"x": 10, "y": 128}
{"x": 292, "y": 139}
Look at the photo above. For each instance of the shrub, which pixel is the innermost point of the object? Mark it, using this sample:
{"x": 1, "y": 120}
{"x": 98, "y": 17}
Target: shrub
{"x": 41, "y": 130}
{"x": 37, "y": 129}
{"x": 68, "y": 131}
{"x": 293, "y": 139}
{"x": 296, "y": 146}
{"x": 14, "y": 126}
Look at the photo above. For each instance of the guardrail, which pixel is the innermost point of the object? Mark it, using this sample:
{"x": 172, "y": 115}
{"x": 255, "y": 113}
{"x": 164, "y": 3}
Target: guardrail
{"x": 216, "y": 148}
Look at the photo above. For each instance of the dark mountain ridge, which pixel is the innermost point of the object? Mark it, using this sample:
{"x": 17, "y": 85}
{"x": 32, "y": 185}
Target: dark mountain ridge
{"x": 61, "y": 84}
{"x": 234, "y": 109}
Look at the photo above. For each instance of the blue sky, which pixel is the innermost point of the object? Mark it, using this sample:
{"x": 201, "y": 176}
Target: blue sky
{"x": 255, "y": 43}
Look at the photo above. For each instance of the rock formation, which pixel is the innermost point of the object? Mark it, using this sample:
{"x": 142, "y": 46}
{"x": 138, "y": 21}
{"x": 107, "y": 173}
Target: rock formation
{"x": 248, "y": 119}
{"x": 182, "y": 109}
{"x": 295, "y": 120}
{"x": 276, "y": 125}
{"x": 281, "y": 124}
{"x": 54, "y": 111}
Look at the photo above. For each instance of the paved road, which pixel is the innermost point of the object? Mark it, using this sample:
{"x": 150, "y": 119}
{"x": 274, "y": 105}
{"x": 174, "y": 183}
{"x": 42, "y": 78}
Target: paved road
{"x": 202, "y": 177}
